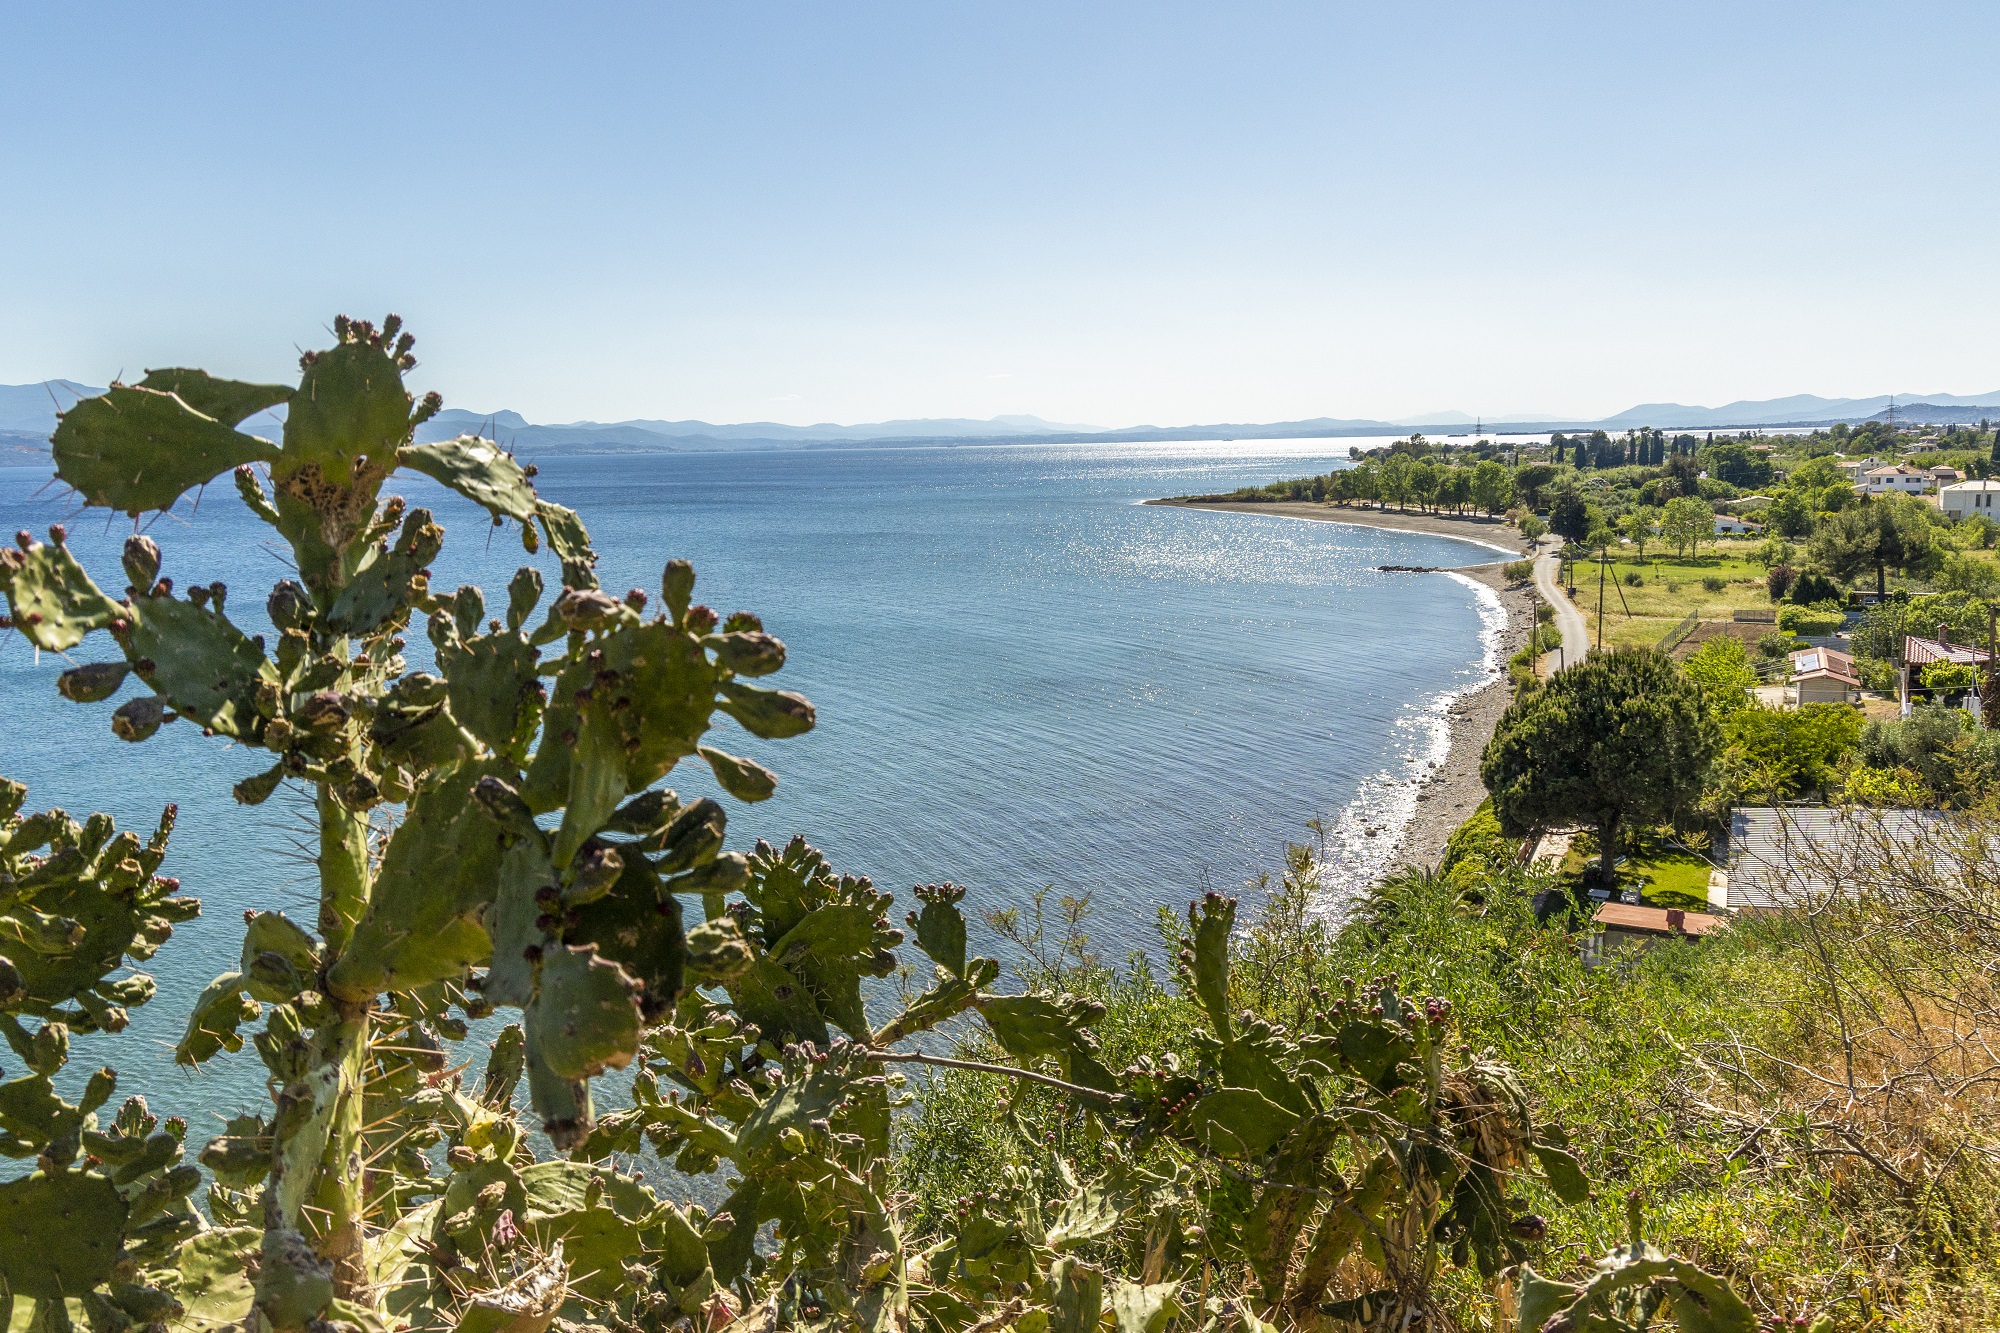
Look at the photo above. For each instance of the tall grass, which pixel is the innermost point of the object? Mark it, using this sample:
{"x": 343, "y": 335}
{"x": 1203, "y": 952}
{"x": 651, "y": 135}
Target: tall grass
{"x": 1702, "y": 1074}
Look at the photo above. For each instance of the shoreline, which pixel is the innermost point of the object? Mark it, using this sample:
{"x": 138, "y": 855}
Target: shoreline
{"x": 1449, "y": 789}
{"x": 1489, "y": 532}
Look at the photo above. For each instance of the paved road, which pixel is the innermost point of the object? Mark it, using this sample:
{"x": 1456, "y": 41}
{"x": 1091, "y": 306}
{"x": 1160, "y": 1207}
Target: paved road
{"x": 1569, "y": 621}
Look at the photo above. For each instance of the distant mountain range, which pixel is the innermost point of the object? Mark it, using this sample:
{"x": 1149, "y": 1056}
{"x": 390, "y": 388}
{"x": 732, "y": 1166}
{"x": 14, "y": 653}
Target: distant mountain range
{"x": 28, "y": 414}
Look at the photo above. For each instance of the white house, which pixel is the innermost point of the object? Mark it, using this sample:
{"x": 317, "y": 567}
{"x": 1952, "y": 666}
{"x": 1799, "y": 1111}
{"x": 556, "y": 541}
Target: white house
{"x": 1854, "y": 467}
{"x": 1970, "y": 497}
{"x": 1725, "y": 526}
{"x": 1901, "y": 478}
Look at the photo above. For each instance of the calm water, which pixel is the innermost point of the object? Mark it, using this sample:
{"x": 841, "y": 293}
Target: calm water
{"x": 1024, "y": 678}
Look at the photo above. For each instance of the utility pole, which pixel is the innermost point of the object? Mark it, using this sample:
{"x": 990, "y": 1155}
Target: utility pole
{"x": 1603, "y": 564}
{"x": 1989, "y": 689}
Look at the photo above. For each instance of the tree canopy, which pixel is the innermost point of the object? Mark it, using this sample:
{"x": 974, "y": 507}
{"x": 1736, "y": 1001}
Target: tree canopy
{"x": 1620, "y": 739}
{"x": 1893, "y": 532}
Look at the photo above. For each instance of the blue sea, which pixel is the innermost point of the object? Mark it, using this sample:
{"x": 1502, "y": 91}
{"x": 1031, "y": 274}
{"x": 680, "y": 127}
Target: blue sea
{"x": 1026, "y": 680}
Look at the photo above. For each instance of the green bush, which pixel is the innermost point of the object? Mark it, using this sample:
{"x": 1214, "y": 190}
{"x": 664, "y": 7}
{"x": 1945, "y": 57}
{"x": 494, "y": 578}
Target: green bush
{"x": 1479, "y": 838}
{"x": 1808, "y": 621}
{"x": 1519, "y": 571}
{"x": 1714, "y": 583}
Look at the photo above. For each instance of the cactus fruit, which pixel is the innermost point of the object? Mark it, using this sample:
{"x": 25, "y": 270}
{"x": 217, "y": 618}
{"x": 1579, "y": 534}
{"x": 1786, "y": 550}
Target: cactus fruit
{"x": 92, "y": 683}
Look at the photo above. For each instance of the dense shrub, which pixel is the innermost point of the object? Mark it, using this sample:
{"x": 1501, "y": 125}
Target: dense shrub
{"x": 1811, "y": 586}
{"x": 1808, "y": 621}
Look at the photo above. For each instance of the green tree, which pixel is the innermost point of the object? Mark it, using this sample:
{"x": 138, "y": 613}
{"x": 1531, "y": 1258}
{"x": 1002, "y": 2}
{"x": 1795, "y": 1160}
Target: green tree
{"x": 1735, "y": 462}
{"x": 1639, "y": 526}
{"x": 1622, "y": 739}
{"x": 1530, "y": 480}
{"x": 1780, "y": 754}
{"x": 1894, "y": 532}
{"x": 1957, "y": 761}
{"x": 1424, "y": 480}
{"x": 1396, "y": 478}
{"x": 1969, "y": 574}
{"x": 1492, "y": 486}
{"x": 1722, "y": 668}
{"x": 1686, "y": 524}
{"x": 1772, "y": 552}
{"x": 1791, "y": 515}
{"x": 1455, "y": 487}
{"x": 1569, "y": 516}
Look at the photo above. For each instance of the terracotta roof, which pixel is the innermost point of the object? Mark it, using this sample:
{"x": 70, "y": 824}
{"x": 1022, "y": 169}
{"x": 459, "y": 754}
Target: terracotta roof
{"x": 1812, "y": 659}
{"x": 1655, "y": 920}
{"x": 1900, "y": 469}
{"x": 1825, "y": 663}
{"x": 1921, "y": 652}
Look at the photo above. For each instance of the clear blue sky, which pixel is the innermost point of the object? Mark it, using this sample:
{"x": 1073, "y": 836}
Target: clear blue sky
{"x": 1100, "y": 213}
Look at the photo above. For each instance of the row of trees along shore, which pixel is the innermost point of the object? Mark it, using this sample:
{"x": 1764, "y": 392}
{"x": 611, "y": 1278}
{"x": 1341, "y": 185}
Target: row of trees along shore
{"x": 1818, "y": 537}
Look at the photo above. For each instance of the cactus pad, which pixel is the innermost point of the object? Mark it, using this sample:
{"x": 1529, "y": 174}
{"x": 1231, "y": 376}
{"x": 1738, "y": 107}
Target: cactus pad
{"x": 59, "y": 1234}
{"x": 669, "y": 689}
{"x": 350, "y": 406}
{"x": 53, "y": 601}
{"x": 228, "y": 401}
{"x": 200, "y": 663}
{"x": 425, "y": 921}
{"x": 133, "y": 448}
{"x": 585, "y": 1018}
{"x": 494, "y": 691}
{"x": 477, "y": 470}
{"x": 639, "y": 929}
{"x": 383, "y": 588}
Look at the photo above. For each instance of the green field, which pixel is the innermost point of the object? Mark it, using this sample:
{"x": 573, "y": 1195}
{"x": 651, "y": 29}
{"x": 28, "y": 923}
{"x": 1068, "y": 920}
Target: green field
{"x": 1668, "y": 590}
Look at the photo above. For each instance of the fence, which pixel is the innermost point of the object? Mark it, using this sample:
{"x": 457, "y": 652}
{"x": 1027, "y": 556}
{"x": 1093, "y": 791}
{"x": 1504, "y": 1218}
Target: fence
{"x": 1679, "y": 632}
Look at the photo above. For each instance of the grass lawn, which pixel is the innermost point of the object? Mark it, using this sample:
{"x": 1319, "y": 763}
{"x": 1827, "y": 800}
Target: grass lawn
{"x": 1669, "y": 589}
{"x": 1665, "y": 875}
{"x": 1672, "y": 879}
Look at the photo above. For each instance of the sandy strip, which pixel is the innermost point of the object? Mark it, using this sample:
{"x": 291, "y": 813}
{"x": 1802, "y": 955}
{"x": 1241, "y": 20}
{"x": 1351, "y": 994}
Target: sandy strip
{"x": 1486, "y": 531}
{"x": 1452, "y": 791}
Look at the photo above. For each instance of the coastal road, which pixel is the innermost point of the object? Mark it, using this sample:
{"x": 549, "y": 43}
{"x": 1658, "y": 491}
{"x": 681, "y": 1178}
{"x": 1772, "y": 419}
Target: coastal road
{"x": 1569, "y": 621}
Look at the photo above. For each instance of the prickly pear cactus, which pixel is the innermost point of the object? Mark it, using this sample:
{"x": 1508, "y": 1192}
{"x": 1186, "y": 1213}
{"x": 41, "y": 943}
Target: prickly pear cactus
{"x": 101, "y": 1203}
{"x": 532, "y": 864}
